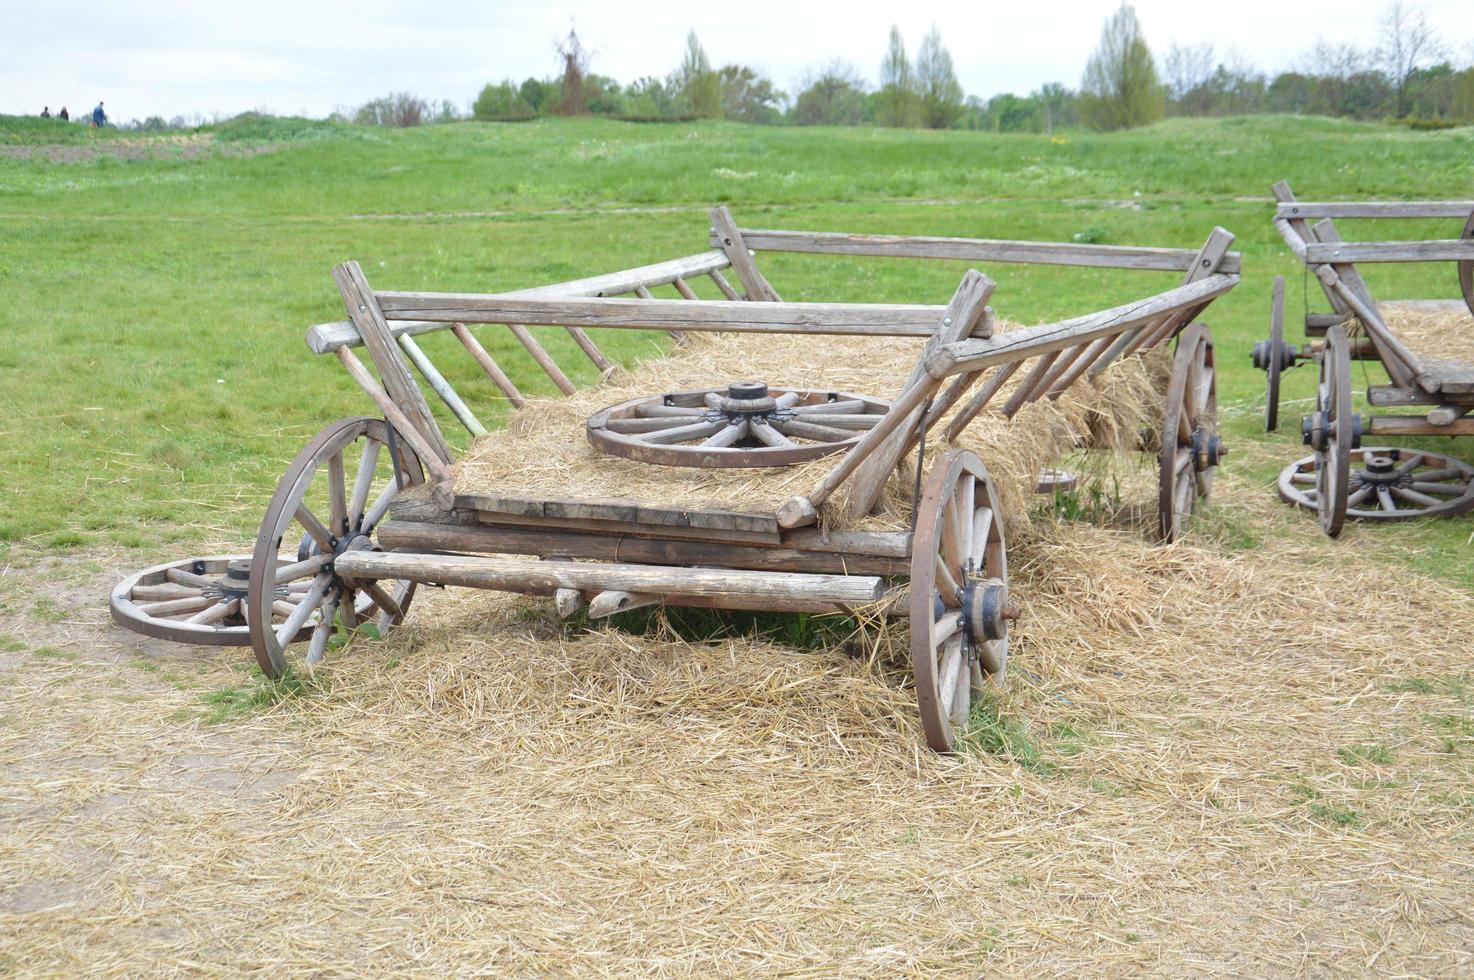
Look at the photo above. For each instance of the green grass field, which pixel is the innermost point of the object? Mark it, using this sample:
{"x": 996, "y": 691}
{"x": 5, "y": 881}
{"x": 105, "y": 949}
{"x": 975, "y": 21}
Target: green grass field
{"x": 156, "y": 290}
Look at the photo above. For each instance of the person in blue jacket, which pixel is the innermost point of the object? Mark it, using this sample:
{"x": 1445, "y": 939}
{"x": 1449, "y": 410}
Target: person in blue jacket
{"x": 99, "y": 118}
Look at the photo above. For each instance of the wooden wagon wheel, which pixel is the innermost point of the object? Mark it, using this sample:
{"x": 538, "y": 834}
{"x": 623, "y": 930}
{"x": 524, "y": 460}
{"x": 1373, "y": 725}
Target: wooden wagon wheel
{"x": 320, "y": 514}
{"x": 959, "y": 594}
{"x": 1190, "y": 446}
{"x": 1274, "y": 356}
{"x": 743, "y": 425}
{"x": 192, "y": 600}
{"x": 1466, "y": 268}
{"x": 1392, "y": 485}
{"x": 1332, "y": 432}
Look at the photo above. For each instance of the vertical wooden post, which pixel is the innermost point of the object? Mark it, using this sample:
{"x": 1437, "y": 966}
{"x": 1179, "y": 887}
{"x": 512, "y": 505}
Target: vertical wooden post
{"x": 399, "y": 384}
{"x": 757, "y": 288}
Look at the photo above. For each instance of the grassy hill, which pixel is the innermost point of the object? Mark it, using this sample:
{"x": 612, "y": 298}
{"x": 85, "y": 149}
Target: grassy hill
{"x": 157, "y": 287}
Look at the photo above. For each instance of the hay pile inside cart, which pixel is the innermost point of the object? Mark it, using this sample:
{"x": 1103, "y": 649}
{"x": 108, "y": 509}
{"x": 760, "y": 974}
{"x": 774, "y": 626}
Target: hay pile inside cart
{"x": 818, "y": 458}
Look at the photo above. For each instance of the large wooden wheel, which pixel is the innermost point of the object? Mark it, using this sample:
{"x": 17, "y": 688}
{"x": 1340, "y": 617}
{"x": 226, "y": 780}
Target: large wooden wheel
{"x": 1466, "y": 268}
{"x": 1332, "y": 432}
{"x": 319, "y": 514}
{"x": 959, "y": 594}
{"x": 1190, "y": 446}
{"x": 1392, "y": 484}
{"x": 746, "y": 424}
{"x": 191, "y": 600}
{"x": 1274, "y": 356}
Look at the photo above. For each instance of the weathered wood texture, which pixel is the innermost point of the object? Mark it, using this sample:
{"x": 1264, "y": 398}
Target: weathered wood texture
{"x": 1374, "y": 209}
{"x": 1428, "y": 250}
{"x": 722, "y": 586}
{"x": 975, "y": 250}
{"x": 726, "y": 237}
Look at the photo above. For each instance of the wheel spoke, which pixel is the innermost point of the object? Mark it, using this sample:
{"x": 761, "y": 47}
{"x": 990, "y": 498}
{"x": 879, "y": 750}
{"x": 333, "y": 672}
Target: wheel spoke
{"x": 314, "y": 528}
{"x": 337, "y": 495}
{"x": 1452, "y": 489}
{"x": 403, "y": 594}
{"x": 803, "y": 429}
{"x": 1410, "y": 464}
{"x": 845, "y": 406}
{"x": 952, "y": 545}
{"x": 288, "y": 629}
{"x": 177, "y": 607}
{"x": 1358, "y": 496}
{"x": 992, "y": 654}
{"x": 641, "y": 426}
{"x": 769, "y": 436}
{"x": 943, "y": 629}
{"x": 659, "y": 411}
{"x": 180, "y": 577}
{"x": 946, "y": 583}
{"x": 962, "y": 515}
{"x": 1384, "y": 497}
{"x": 318, "y": 645}
{"x": 217, "y": 612}
{"x": 363, "y": 481}
{"x": 1413, "y": 496}
{"x": 301, "y": 569}
{"x": 683, "y": 433}
{"x": 950, "y": 673}
{"x": 383, "y": 600}
{"x": 733, "y": 433}
{"x": 982, "y": 526}
{"x": 843, "y": 421}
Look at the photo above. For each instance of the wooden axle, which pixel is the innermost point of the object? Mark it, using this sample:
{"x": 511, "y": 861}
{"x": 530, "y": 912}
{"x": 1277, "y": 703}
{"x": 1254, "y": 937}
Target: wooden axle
{"x": 716, "y": 588}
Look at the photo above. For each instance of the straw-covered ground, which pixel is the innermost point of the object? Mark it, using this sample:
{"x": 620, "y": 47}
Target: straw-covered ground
{"x": 1220, "y": 757}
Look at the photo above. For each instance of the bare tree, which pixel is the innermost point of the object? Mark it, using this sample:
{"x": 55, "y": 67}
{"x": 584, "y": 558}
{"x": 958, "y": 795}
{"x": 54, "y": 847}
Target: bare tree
{"x": 699, "y": 88}
{"x": 1408, "y": 43}
{"x": 573, "y": 95}
{"x": 1188, "y": 68}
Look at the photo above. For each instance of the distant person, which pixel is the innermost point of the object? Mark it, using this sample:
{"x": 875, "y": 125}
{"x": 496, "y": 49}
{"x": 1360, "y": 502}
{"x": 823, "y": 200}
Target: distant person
{"x": 46, "y": 112}
{"x": 99, "y": 118}
{"x": 63, "y": 115}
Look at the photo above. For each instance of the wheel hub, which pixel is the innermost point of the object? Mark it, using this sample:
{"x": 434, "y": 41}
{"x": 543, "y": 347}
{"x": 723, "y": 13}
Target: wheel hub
{"x": 1207, "y": 449}
{"x": 985, "y": 610}
{"x": 1289, "y": 355}
{"x": 1381, "y": 471}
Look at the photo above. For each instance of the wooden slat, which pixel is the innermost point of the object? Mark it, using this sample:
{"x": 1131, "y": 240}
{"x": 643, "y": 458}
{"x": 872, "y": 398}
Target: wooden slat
{"x": 1428, "y": 250}
{"x": 855, "y": 319}
{"x": 726, "y": 237}
{"x": 441, "y": 386}
{"x": 492, "y": 369}
{"x": 542, "y": 357}
{"x": 586, "y": 344}
{"x": 620, "y": 509}
{"x": 971, "y": 355}
{"x": 723, "y": 285}
{"x": 976, "y": 250}
{"x": 1297, "y": 234}
{"x": 399, "y": 384}
{"x": 1375, "y": 209}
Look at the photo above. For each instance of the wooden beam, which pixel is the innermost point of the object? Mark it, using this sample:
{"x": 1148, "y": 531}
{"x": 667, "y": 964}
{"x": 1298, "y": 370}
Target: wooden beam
{"x": 1417, "y": 425}
{"x": 399, "y": 384}
{"x": 546, "y": 577}
{"x": 1375, "y": 209}
{"x": 976, "y": 250}
{"x": 1428, "y": 250}
{"x": 972, "y": 355}
{"x": 492, "y": 369}
{"x": 441, "y": 387}
{"x": 726, "y": 237}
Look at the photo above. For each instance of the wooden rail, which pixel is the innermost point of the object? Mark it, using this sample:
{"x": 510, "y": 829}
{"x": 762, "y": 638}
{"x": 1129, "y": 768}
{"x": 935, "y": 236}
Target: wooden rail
{"x": 978, "y": 250}
{"x": 1374, "y": 209}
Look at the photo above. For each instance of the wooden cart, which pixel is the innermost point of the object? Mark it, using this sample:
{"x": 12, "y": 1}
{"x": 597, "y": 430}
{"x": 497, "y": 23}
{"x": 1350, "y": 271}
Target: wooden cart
{"x": 369, "y": 509}
{"x": 1343, "y": 479}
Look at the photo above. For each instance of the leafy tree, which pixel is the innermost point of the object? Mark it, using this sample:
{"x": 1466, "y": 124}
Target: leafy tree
{"x": 649, "y": 97}
{"x": 1462, "y": 108}
{"x": 747, "y": 96}
{"x": 941, "y": 95}
{"x": 538, "y": 94}
{"x": 398, "y": 109}
{"x": 832, "y": 96}
{"x": 501, "y": 102}
{"x": 699, "y": 88}
{"x": 898, "y": 102}
{"x": 1121, "y": 89}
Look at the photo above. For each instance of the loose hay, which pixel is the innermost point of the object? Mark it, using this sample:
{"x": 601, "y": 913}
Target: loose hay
{"x": 1206, "y": 761}
{"x": 1436, "y": 334}
{"x": 544, "y": 452}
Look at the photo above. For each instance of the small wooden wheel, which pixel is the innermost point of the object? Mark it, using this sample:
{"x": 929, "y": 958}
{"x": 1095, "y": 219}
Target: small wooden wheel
{"x": 1191, "y": 448}
{"x": 1466, "y": 268}
{"x": 1390, "y": 485}
{"x": 193, "y": 600}
{"x": 745, "y": 424}
{"x": 1274, "y": 356}
{"x": 959, "y": 594}
{"x": 1332, "y": 432}
{"x": 331, "y": 516}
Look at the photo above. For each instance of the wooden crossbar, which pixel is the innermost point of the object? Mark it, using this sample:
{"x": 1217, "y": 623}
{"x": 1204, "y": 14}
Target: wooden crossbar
{"x": 1374, "y": 209}
{"x": 978, "y": 250}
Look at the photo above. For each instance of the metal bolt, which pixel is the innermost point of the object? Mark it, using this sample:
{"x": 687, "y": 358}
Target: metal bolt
{"x": 1012, "y": 613}
{"x": 946, "y": 321}
{"x": 361, "y": 308}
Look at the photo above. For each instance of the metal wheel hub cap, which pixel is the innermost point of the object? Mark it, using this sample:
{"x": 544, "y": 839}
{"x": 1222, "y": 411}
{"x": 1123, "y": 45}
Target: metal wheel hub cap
{"x": 985, "y": 610}
{"x": 1263, "y": 349}
{"x": 1207, "y": 449}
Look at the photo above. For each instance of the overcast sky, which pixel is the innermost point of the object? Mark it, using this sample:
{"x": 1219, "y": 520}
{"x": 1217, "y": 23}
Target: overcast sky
{"x": 304, "y": 56}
